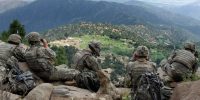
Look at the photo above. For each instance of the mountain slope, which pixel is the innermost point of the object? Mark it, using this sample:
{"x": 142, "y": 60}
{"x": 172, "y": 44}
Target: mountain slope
{"x": 6, "y": 5}
{"x": 45, "y": 14}
{"x": 191, "y": 10}
{"x": 172, "y": 14}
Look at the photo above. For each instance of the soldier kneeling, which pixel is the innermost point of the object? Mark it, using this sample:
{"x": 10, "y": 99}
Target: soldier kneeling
{"x": 181, "y": 64}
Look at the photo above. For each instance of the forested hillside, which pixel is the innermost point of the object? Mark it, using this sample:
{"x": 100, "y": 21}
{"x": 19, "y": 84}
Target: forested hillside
{"x": 118, "y": 42}
{"x": 46, "y": 14}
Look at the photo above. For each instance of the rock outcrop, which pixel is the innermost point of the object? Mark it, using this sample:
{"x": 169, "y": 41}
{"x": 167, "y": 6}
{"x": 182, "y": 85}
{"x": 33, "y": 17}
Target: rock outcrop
{"x": 187, "y": 91}
{"x": 41, "y": 92}
{"x": 47, "y": 91}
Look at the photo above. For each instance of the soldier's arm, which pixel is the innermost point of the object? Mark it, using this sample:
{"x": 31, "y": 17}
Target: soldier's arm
{"x": 128, "y": 68}
{"x": 92, "y": 63}
{"x": 19, "y": 53}
{"x": 171, "y": 57}
{"x": 127, "y": 78}
{"x": 155, "y": 67}
{"x": 48, "y": 53}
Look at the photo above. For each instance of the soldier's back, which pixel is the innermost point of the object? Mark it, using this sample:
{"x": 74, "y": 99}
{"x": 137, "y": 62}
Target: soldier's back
{"x": 79, "y": 58}
{"x": 6, "y": 51}
{"x": 185, "y": 57}
{"x": 137, "y": 68}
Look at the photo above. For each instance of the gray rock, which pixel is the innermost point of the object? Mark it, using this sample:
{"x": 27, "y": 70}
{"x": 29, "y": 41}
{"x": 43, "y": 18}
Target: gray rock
{"x": 41, "y": 92}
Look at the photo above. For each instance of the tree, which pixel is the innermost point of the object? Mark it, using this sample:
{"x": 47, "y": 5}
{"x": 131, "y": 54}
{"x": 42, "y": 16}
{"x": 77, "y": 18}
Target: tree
{"x": 61, "y": 55}
{"x": 17, "y": 28}
{"x": 4, "y": 36}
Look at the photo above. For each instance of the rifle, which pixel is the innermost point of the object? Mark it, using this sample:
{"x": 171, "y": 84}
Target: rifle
{"x": 12, "y": 65}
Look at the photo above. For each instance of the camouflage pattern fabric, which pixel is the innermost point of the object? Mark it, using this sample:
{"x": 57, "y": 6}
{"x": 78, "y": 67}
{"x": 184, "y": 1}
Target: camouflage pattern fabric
{"x": 40, "y": 60}
{"x": 15, "y": 80}
{"x": 136, "y": 68}
{"x": 19, "y": 52}
{"x": 88, "y": 80}
{"x": 14, "y": 38}
{"x": 87, "y": 64}
{"x": 7, "y": 50}
{"x": 83, "y": 61}
{"x": 177, "y": 71}
{"x": 185, "y": 57}
{"x": 63, "y": 74}
{"x": 17, "y": 85}
{"x": 180, "y": 65}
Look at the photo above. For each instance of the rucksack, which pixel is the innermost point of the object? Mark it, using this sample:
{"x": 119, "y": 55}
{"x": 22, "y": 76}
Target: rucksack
{"x": 18, "y": 82}
{"x": 88, "y": 80}
{"x": 147, "y": 87}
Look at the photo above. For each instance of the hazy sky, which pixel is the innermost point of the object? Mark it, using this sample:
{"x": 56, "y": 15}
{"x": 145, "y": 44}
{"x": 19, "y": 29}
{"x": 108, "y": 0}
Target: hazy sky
{"x": 171, "y": 2}
{"x": 23, "y": 0}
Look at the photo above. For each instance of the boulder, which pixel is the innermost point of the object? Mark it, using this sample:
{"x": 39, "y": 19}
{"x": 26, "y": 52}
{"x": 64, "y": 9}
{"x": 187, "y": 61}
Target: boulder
{"x": 41, "y": 92}
{"x": 187, "y": 91}
{"x": 63, "y": 92}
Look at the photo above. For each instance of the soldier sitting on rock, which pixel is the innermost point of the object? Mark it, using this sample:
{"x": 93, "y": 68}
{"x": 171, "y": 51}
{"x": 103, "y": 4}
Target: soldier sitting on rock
{"x": 40, "y": 58}
{"x": 85, "y": 61}
{"x": 139, "y": 66}
{"x": 14, "y": 79}
{"x": 181, "y": 64}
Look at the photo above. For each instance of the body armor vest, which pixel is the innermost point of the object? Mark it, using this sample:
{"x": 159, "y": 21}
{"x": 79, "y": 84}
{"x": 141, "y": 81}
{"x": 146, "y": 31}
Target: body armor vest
{"x": 37, "y": 63}
{"x": 6, "y": 51}
{"x": 139, "y": 68}
{"x": 79, "y": 58}
{"x": 185, "y": 57}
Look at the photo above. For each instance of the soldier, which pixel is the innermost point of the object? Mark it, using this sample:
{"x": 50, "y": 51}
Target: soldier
{"x": 40, "y": 58}
{"x": 85, "y": 61}
{"x": 182, "y": 63}
{"x": 139, "y": 66}
{"x": 10, "y": 54}
{"x": 12, "y": 48}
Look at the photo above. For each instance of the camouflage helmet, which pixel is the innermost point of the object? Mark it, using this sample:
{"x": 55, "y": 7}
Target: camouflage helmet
{"x": 189, "y": 46}
{"x": 95, "y": 47}
{"x": 15, "y": 38}
{"x": 33, "y": 36}
{"x": 142, "y": 51}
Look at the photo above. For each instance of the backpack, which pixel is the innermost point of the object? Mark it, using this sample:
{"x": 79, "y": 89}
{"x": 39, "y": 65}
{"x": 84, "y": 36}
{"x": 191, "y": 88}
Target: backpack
{"x": 88, "y": 80}
{"x": 147, "y": 87}
{"x": 18, "y": 82}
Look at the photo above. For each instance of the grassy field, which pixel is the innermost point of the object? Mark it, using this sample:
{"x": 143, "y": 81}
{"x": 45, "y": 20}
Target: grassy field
{"x": 108, "y": 45}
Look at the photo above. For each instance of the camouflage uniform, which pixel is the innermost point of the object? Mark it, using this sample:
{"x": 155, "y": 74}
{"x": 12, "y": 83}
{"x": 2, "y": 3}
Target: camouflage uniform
{"x": 85, "y": 61}
{"x": 140, "y": 66}
{"x": 9, "y": 51}
{"x": 40, "y": 61}
{"x": 12, "y": 48}
{"x": 181, "y": 64}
